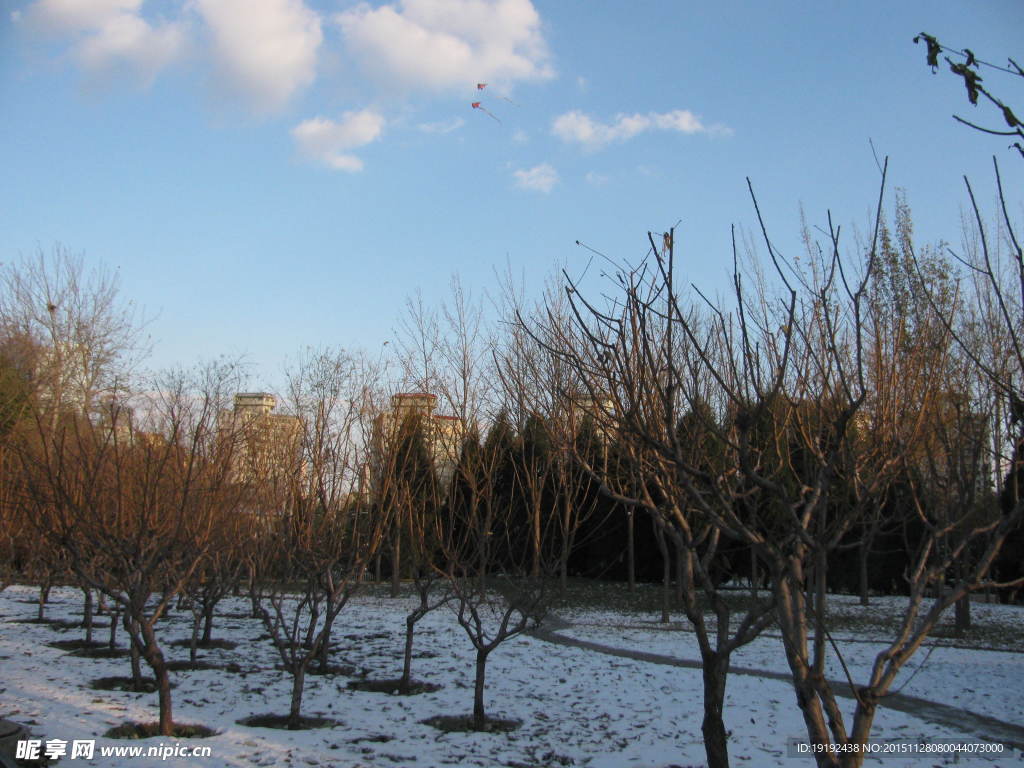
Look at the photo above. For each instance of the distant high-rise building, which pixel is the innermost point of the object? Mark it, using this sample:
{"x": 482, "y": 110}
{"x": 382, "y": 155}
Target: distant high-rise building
{"x": 266, "y": 445}
{"x": 442, "y": 435}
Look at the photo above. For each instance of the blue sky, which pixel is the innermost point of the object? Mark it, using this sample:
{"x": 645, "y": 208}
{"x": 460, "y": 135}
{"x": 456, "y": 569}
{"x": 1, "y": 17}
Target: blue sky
{"x": 271, "y": 174}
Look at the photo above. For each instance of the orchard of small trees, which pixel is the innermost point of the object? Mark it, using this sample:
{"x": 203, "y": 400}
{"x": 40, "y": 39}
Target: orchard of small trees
{"x": 846, "y": 421}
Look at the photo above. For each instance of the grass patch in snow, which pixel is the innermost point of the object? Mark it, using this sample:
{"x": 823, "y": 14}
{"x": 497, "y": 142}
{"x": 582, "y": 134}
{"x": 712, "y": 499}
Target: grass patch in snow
{"x": 77, "y": 645}
{"x": 190, "y": 666}
{"x": 147, "y": 730}
{"x": 224, "y": 645}
{"x": 106, "y": 652}
{"x": 281, "y": 722}
{"x": 126, "y": 684}
{"x": 346, "y": 670}
{"x": 392, "y": 687}
{"x": 464, "y": 724}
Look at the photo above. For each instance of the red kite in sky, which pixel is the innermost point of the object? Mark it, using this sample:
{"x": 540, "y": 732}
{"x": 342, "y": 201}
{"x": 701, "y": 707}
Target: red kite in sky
{"x": 477, "y": 105}
{"x": 481, "y": 86}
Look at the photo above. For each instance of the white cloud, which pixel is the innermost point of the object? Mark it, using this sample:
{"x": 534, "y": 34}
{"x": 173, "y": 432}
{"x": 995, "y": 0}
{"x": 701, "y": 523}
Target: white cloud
{"x": 681, "y": 120}
{"x": 447, "y": 44}
{"x": 581, "y": 128}
{"x": 540, "y": 178}
{"x": 125, "y": 37}
{"x": 446, "y": 126}
{"x": 78, "y": 15}
{"x": 266, "y": 52}
{"x": 595, "y": 179}
{"x": 266, "y": 49}
{"x": 110, "y": 34}
{"x": 328, "y": 142}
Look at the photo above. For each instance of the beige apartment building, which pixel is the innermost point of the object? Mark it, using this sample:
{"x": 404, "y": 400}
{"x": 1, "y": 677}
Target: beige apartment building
{"x": 266, "y": 445}
{"x": 443, "y": 434}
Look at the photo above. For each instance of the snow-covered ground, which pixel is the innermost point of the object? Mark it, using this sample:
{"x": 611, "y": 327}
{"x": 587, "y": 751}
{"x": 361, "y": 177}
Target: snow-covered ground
{"x": 577, "y": 707}
{"x": 987, "y": 682}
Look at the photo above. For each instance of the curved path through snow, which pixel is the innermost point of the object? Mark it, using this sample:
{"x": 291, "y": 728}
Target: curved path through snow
{"x": 984, "y": 727}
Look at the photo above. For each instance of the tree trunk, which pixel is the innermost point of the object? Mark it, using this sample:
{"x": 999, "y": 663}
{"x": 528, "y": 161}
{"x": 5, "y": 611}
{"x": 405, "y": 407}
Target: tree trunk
{"x": 314, "y": 616}
{"x": 484, "y": 545}
{"x": 814, "y": 717}
{"x": 962, "y": 613}
{"x": 810, "y": 585}
{"x": 155, "y": 659}
{"x": 298, "y": 683}
{"x": 396, "y": 563}
{"x": 134, "y": 652}
{"x": 753, "y": 573}
{"x": 250, "y": 580}
{"x": 479, "y": 718}
{"x": 207, "y": 624}
{"x": 862, "y": 568}
{"x": 863, "y": 717}
{"x": 115, "y": 614}
{"x": 962, "y": 607}
{"x": 410, "y": 627}
{"x": 483, "y": 559}
{"x": 87, "y": 615}
{"x": 792, "y": 614}
{"x": 679, "y": 581}
{"x": 630, "y": 553}
{"x": 716, "y": 739}
{"x": 163, "y": 684}
{"x": 666, "y": 576}
{"x": 44, "y": 596}
{"x": 193, "y": 641}
{"x": 535, "y": 565}
{"x": 324, "y": 652}
{"x": 563, "y": 564}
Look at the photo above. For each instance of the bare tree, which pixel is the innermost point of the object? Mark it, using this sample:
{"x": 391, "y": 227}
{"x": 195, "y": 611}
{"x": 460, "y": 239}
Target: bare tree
{"x": 949, "y": 533}
{"x": 216, "y": 576}
{"x": 86, "y": 340}
{"x": 649, "y": 388}
{"x": 491, "y": 606}
{"x": 788, "y": 370}
{"x": 450, "y": 353}
{"x": 324, "y": 531}
{"x": 555, "y": 419}
{"x": 143, "y": 490}
{"x": 407, "y": 486}
{"x": 69, "y": 340}
{"x": 15, "y": 396}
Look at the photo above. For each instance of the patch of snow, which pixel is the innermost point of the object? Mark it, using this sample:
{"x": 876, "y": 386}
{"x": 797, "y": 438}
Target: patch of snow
{"x": 577, "y": 707}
